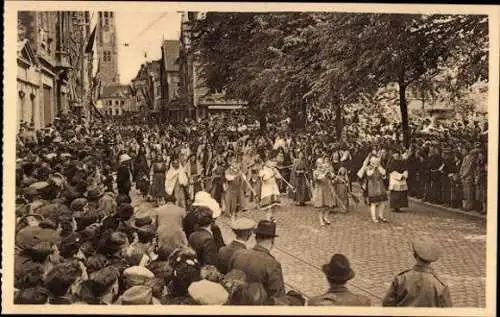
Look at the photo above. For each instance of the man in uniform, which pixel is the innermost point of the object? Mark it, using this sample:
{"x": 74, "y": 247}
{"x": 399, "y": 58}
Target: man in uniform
{"x": 338, "y": 272}
{"x": 419, "y": 286}
{"x": 243, "y": 229}
{"x": 258, "y": 263}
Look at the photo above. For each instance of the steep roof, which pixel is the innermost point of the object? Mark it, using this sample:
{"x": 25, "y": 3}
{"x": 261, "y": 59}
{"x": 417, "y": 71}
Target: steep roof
{"x": 114, "y": 91}
{"x": 170, "y": 50}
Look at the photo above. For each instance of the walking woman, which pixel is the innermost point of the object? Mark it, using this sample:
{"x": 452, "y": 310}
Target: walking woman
{"x": 270, "y": 193}
{"x": 158, "y": 170}
{"x": 300, "y": 180}
{"x": 398, "y": 174}
{"x": 141, "y": 172}
{"x": 123, "y": 176}
{"x": 375, "y": 186}
{"x": 322, "y": 192}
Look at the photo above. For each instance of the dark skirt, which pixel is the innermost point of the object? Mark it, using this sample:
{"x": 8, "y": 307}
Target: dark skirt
{"x": 158, "y": 186}
{"x": 377, "y": 199}
{"x": 399, "y": 199}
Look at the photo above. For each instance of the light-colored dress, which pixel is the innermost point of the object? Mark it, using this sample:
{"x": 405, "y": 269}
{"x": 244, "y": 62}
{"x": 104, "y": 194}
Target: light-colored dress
{"x": 322, "y": 193}
{"x": 270, "y": 193}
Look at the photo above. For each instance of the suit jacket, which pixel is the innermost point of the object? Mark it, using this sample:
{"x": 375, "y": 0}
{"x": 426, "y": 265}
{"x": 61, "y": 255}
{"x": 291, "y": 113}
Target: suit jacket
{"x": 339, "y": 295}
{"x": 417, "y": 287}
{"x": 226, "y": 253}
{"x": 260, "y": 267}
{"x": 205, "y": 246}
{"x": 123, "y": 180}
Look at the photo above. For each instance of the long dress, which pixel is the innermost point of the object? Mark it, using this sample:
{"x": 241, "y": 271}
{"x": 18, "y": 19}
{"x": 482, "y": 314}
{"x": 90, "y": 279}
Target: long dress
{"x": 233, "y": 201}
{"x": 141, "y": 174}
{"x": 270, "y": 193}
{"x": 375, "y": 185}
{"x": 398, "y": 172}
{"x": 158, "y": 186}
{"x": 342, "y": 189}
{"x": 322, "y": 192}
{"x": 298, "y": 179}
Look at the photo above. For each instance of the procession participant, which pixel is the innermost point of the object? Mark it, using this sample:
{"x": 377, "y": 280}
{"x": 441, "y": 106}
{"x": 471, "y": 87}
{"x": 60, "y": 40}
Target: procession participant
{"x": 216, "y": 184}
{"x": 141, "y": 172}
{"x": 234, "y": 187}
{"x": 269, "y": 191}
{"x": 375, "y": 188}
{"x": 398, "y": 174}
{"x": 419, "y": 286}
{"x": 338, "y": 272}
{"x": 258, "y": 264}
{"x": 176, "y": 182}
{"x": 243, "y": 230}
{"x": 322, "y": 192}
{"x": 342, "y": 183}
{"x": 158, "y": 173}
{"x": 300, "y": 181}
{"x": 123, "y": 177}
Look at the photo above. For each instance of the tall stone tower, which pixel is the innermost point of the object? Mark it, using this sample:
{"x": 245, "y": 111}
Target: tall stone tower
{"x": 107, "y": 48}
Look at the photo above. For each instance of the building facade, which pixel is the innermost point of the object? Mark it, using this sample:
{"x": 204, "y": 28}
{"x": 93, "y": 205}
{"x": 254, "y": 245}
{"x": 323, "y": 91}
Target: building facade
{"x": 171, "y": 105}
{"x": 53, "y": 70}
{"x": 117, "y": 100}
{"x": 146, "y": 88}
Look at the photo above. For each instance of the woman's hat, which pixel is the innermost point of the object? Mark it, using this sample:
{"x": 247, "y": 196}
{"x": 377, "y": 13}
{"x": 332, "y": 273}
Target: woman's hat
{"x": 208, "y": 293}
{"x": 266, "y": 228}
{"x": 203, "y": 199}
{"x": 124, "y": 158}
{"x": 339, "y": 269}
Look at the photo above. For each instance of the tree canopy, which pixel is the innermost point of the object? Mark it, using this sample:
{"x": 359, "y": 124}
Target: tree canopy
{"x": 286, "y": 61}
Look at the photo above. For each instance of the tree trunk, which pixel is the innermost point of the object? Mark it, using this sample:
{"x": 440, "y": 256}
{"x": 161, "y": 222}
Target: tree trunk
{"x": 338, "y": 119}
{"x": 403, "y": 107}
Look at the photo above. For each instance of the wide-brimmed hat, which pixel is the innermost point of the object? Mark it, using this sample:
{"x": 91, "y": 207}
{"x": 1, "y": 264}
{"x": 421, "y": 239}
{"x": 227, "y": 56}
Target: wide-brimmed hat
{"x": 203, "y": 199}
{"x": 266, "y": 228}
{"x": 136, "y": 295}
{"x": 208, "y": 293}
{"x": 339, "y": 268}
{"x": 426, "y": 250}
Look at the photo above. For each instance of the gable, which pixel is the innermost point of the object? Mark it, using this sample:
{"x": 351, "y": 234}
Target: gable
{"x": 26, "y": 52}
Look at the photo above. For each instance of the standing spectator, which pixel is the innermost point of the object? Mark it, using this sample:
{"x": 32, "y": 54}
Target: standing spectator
{"x": 258, "y": 263}
{"x": 467, "y": 179}
{"x": 243, "y": 229}
{"x": 338, "y": 272}
{"x": 419, "y": 286}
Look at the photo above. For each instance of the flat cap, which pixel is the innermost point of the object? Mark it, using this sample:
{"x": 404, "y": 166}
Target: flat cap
{"x": 243, "y": 224}
{"x": 426, "y": 250}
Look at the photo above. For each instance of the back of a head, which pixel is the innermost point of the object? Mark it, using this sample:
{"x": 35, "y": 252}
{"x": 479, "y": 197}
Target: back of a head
{"x": 61, "y": 277}
{"x": 32, "y": 296}
{"x": 252, "y": 294}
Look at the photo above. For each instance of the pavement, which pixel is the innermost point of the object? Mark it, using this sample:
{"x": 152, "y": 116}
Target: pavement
{"x": 377, "y": 252}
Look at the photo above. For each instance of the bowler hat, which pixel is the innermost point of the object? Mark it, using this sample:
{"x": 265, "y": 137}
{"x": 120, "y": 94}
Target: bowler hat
{"x": 339, "y": 269}
{"x": 266, "y": 228}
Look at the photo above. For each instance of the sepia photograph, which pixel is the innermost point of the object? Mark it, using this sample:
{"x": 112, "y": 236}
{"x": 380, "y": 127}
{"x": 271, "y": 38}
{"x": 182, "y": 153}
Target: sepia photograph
{"x": 244, "y": 156}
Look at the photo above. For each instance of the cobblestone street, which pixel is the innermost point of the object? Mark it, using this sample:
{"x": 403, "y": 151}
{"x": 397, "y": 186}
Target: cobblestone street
{"x": 377, "y": 251}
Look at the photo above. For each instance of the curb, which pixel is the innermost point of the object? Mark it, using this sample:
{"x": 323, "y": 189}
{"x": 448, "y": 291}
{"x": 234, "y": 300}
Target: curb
{"x": 449, "y": 209}
{"x": 472, "y": 214}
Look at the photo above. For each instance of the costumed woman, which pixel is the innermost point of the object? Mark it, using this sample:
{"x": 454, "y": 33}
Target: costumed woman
{"x": 300, "y": 181}
{"x": 175, "y": 183}
{"x": 375, "y": 187}
{"x": 322, "y": 197}
{"x": 269, "y": 191}
{"x": 141, "y": 172}
{"x": 158, "y": 170}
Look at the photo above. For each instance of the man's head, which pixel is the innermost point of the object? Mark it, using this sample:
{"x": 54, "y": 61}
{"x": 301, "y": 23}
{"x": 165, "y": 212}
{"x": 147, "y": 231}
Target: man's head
{"x": 243, "y": 228}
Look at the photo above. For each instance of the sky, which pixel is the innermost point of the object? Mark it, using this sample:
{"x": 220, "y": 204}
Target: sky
{"x": 131, "y": 28}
